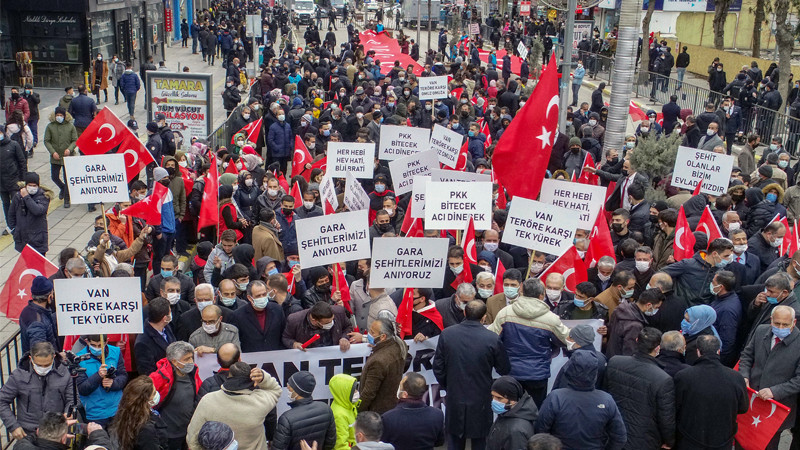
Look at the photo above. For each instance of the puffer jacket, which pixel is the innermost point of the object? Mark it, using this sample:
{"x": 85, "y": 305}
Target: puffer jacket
{"x": 477, "y": 145}
{"x": 164, "y": 379}
{"x": 13, "y": 165}
{"x": 512, "y": 429}
{"x": 645, "y": 395}
{"x": 27, "y": 217}
{"x": 580, "y": 415}
{"x": 529, "y": 332}
{"x": 246, "y": 197}
{"x": 626, "y": 323}
{"x": 101, "y": 403}
{"x": 280, "y": 139}
{"x": 309, "y": 420}
{"x": 692, "y": 277}
{"x": 178, "y": 189}
{"x": 342, "y": 387}
{"x": 761, "y": 215}
{"x": 34, "y": 394}
{"x": 59, "y": 137}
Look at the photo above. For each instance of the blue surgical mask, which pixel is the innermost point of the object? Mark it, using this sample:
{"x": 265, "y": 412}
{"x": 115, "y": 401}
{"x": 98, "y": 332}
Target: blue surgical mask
{"x": 781, "y": 333}
{"x": 260, "y": 302}
{"x": 273, "y": 271}
{"x": 95, "y": 351}
{"x": 498, "y": 407}
{"x": 380, "y": 188}
{"x": 471, "y": 133}
{"x": 510, "y": 291}
{"x": 685, "y": 326}
{"x": 370, "y": 339}
{"x": 166, "y": 273}
{"x": 579, "y": 303}
{"x": 772, "y": 197}
{"x": 772, "y": 300}
{"x": 293, "y": 263}
{"x": 722, "y": 263}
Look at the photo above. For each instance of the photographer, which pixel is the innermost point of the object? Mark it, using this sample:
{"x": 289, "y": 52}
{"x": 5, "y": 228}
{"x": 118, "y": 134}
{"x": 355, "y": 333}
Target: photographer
{"x": 100, "y": 384}
{"x": 53, "y": 433}
{"x": 40, "y": 383}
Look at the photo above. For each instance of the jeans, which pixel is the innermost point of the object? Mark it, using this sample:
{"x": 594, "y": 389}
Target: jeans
{"x": 55, "y": 175}
{"x": 575, "y": 89}
{"x": 116, "y": 94}
{"x": 6, "y": 197}
{"x": 681, "y": 73}
{"x": 194, "y": 44}
{"x": 460, "y": 443}
{"x": 130, "y": 99}
{"x": 33, "y": 124}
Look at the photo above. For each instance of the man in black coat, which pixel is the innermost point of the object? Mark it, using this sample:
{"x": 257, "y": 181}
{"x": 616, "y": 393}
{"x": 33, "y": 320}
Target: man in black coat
{"x": 13, "y": 166}
{"x": 466, "y": 354}
{"x": 412, "y": 413}
{"x": 761, "y": 245}
{"x": 597, "y": 98}
{"x": 671, "y": 356}
{"x": 709, "y": 396}
{"x": 169, "y": 268}
{"x": 560, "y": 147}
{"x": 151, "y": 345}
{"x": 671, "y": 112}
{"x": 644, "y": 393}
{"x": 191, "y": 320}
{"x": 306, "y": 420}
{"x": 261, "y": 324}
{"x": 452, "y": 308}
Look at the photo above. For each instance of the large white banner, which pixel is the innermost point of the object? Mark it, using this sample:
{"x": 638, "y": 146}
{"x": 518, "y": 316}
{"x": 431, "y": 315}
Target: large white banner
{"x": 355, "y": 197}
{"x": 97, "y": 178}
{"x": 333, "y": 238}
{"x": 433, "y": 88}
{"x": 98, "y": 306}
{"x": 457, "y": 175}
{"x": 405, "y": 169}
{"x": 585, "y": 199}
{"x": 447, "y": 144}
{"x": 398, "y": 141}
{"x": 448, "y": 206}
{"x": 404, "y": 262}
{"x": 539, "y": 226}
{"x": 355, "y": 157}
{"x": 692, "y": 165}
{"x": 325, "y": 362}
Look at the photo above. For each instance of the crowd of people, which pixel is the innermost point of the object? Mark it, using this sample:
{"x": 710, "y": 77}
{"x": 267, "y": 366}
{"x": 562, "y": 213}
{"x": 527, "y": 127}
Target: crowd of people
{"x": 672, "y": 329}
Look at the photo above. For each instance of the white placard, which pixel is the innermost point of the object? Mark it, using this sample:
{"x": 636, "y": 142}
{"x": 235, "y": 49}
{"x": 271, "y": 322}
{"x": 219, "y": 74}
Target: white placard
{"x": 433, "y": 88}
{"x": 253, "y": 22}
{"x": 333, "y": 238}
{"x": 327, "y": 191}
{"x": 692, "y": 164}
{"x": 447, "y": 144}
{"x": 402, "y": 262}
{"x": 405, "y": 169}
{"x": 98, "y": 306}
{"x": 97, "y": 178}
{"x": 448, "y": 206}
{"x": 474, "y": 28}
{"x": 441, "y": 175}
{"x": 522, "y": 50}
{"x": 355, "y": 197}
{"x": 355, "y": 157}
{"x": 398, "y": 141}
{"x": 539, "y": 226}
{"x": 586, "y": 200}
{"x": 419, "y": 187}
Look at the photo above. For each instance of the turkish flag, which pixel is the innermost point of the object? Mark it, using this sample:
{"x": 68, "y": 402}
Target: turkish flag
{"x": 252, "y": 130}
{"x": 570, "y": 266}
{"x": 120, "y": 140}
{"x": 408, "y": 221}
{"x": 461, "y": 162}
{"x": 209, "y": 209}
{"x": 300, "y": 159}
{"x": 683, "y": 246}
{"x": 149, "y": 209}
{"x": 282, "y": 181}
{"x": 586, "y": 176}
{"x": 786, "y": 246}
{"x": 760, "y": 423}
{"x": 233, "y": 167}
{"x": 290, "y": 281}
{"x": 464, "y": 277}
{"x": 17, "y": 290}
{"x": 795, "y": 244}
{"x": 636, "y": 113}
{"x": 404, "y": 313}
{"x": 342, "y": 286}
{"x": 298, "y": 196}
{"x": 502, "y": 199}
{"x": 522, "y": 153}
{"x": 698, "y": 187}
{"x": 498, "y": 277}
{"x": 322, "y": 165}
{"x": 709, "y": 226}
{"x": 600, "y": 243}
{"x": 485, "y": 131}
{"x": 468, "y": 244}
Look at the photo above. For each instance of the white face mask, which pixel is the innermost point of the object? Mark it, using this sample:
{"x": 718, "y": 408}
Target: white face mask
{"x": 710, "y": 132}
{"x": 592, "y": 123}
{"x": 210, "y": 328}
{"x": 490, "y": 246}
{"x": 202, "y": 305}
{"x": 733, "y": 226}
{"x": 603, "y": 278}
{"x": 155, "y": 400}
{"x": 537, "y": 267}
{"x": 308, "y": 205}
{"x": 553, "y": 294}
{"x": 32, "y": 190}
{"x": 327, "y": 326}
{"x": 173, "y": 297}
{"x": 642, "y": 266}
{"x": 183, "y": 164}
{"x": 248, "y": 182}
{"x": 739, "y": 249}
{"x": 272, "y": 192}
{"x": 457, "y": 269}
{"x": 42, "y": 371}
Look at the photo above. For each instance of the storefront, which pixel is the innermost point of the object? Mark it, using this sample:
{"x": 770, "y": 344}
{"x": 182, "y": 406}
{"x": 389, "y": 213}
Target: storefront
{"x": 178, "y": 10}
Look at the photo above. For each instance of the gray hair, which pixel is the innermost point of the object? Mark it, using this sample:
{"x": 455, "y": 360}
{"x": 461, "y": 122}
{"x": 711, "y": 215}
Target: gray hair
{"x": 127, "y": 268}
{"x": 780, "y": 281}
{"x": 465, "y": 290}
{"x": 782, "y": 309}
{"x": 178, "y": 350}
{"x": 484, "y": 275}
{"x": 533, "y": 288}
{"x": 74, "y": 263}
{"x": 606, "y": 261}
{"x": 672, "y": 341}
{"x": 42, "y": 349}
{"x": 204, "y": 286}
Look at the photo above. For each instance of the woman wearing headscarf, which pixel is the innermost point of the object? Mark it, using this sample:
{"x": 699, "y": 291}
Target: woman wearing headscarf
{"x": 697, "y": 321}
{"x": 228, "y": 216}
{"x": 246, "y": 195}
{"x": 243, "y": 254}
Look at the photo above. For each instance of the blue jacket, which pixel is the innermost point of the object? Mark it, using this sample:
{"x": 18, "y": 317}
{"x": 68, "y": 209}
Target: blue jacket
{"x": 226, "y": 41}
{"x": 37, "y": 324}
{"x": 167, "y": 215}
{"x": 580, "y": 415}
{"x": 101, "y": 403}
{"x": 426, "y": 421}
{"x": 129, "y": 83}
{"x": 82, "y": 109}
{"x": 476, "y": 146}
{"x": 506, "y": 66}
{"x": 195, "y": 30}
{"x": 729, "y": 315}
{"x": 287, "y": 235}
{"x": 577, "y": 75}
{"x": 280, "y": 139}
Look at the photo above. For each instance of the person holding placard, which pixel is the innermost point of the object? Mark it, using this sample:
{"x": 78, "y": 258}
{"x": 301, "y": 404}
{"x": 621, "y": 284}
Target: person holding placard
{"x": 100, "y": 386}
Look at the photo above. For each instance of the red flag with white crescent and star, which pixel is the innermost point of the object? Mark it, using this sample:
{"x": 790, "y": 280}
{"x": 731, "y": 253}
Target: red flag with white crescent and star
{"x": 149, "y": 209}
{"x": 252, "y": 130}
{"x": 298, "y": 196}
{"x": 209, "y": 207}
{"x": 498, "y": 276}
{"x": 521, "y": 155}
{"x": 600, "y": 243}
{"x": 709, "y": 226}
{"x": 683, "y": 246}
{"x": 289, "y": 281}
{"x": 461, "y": 162}
{"x": 93, "y": 141}
{"x": 468, "y": 244}
{"x": 17, "y": 290}
{"x": 404, "y": 313}
{"x": 760, "y": 423}
{"x": 300, "y": 159}
{"x": 570, "y": 266}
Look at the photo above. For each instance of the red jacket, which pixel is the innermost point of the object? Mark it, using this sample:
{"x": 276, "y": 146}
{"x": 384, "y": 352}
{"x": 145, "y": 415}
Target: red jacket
{"x": 164, "y": 376}
{"x": 21, "y": 104}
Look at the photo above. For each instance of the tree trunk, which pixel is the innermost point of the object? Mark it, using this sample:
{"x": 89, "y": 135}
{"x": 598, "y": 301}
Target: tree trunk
{"x": 645, "y": 59}
{"x": 720, "y": 16}
{"x": 784, "y": 39}
{"x": 759, "y": 22}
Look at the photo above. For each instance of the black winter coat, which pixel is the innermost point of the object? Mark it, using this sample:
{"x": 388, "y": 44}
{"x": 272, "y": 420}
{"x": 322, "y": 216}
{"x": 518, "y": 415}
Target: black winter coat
{"x": 426, "y": 421}
{"x": 150, "y": 348}
{"x": 27, "y": 216}
{"x": 645, "y": 395}
{"x": 13, "y": 165}
{"x": 708, "y": 397}
{"x": 309, "y": 420}
{"x": 692, "y": 277}
{"x": 466, "y": 374}
{"x": 250, "y": 334}
{"x": 512, "y": 429}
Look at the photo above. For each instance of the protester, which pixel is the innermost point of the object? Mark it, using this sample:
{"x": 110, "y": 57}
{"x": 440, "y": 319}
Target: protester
{"x": 516, "y": 414}
{"x": 413, "y": 413}
{"x": 307, "y": 420}
{"x": 383, "y": 369}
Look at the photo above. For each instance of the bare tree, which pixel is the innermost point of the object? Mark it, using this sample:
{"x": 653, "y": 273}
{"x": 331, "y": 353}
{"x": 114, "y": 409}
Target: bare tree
{"x": 761, "y": 15}
{"x": 645, "y": 60}
{"x": 721, "y": 8}
{"x": 784, "y": 39}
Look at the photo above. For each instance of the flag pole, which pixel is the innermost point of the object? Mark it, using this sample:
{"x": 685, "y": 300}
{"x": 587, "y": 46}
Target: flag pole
{"x": 105, "y": 225}
{"x": 336, "y": 275}
{"x": 102, "y": 348}
{"x": 530, "y": 264}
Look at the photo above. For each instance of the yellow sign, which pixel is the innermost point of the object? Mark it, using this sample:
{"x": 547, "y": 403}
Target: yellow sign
{"x": 552, "y": 14}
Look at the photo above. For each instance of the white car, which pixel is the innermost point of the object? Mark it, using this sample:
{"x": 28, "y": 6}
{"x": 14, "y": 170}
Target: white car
{"x": 373, "y": 5}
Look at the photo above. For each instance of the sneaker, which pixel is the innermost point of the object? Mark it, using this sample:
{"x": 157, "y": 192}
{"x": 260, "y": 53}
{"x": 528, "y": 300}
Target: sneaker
{"x": 66, "y": 204}
{"x": 61, "y": 195}
{"x": 7, "y": 231}
{"x": 92, "y": 208}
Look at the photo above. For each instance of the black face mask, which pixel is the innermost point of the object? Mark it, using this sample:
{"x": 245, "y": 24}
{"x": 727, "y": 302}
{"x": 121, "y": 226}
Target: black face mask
{"x": 164, "y": 182}
{"x": 384, "y": 227}
{"x": 624, "y": 173}
{"x": 654, "y": 219}
{"x": 171, "y": 171}
{"x": 287, "y": 211}
{"x": 15, "y": 95}
{"x": 617, "y": 227}
{"x": 575, "y": 149}
{"x": 613, "y": 161}
{"x": 324, "y": 288}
